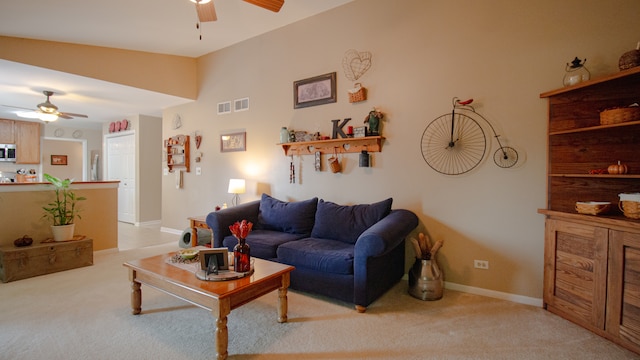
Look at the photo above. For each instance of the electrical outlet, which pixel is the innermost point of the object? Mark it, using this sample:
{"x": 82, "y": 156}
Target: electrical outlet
{"x": 198, "y": 171}
{"x": 481, "y": 264}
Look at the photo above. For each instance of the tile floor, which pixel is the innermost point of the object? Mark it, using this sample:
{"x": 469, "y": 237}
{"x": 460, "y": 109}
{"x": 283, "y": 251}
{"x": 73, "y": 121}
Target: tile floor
{"x": 131, "y": 236}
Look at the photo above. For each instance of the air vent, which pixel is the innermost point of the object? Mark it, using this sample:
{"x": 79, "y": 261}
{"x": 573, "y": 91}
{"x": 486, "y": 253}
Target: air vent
{"x": 224, "y": 108}
{"x": 241, "y": 104}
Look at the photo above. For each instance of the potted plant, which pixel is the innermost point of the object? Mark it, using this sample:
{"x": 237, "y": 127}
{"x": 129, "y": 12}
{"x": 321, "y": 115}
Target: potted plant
{"x": 63, "y": 210}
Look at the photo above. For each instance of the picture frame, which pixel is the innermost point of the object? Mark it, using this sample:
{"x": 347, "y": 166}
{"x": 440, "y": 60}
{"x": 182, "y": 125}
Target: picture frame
{"x": 233, "y": 142}
{"x": 314, "y": 91}
{"x": 221, "y": 255}
{"x": 58, "y": 159}
{"x": 360, "y": 132}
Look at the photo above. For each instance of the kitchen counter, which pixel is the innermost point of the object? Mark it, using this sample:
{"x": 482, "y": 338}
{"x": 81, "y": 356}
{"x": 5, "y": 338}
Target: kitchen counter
{"x": 35, "y": 186}
{"x": 21, "y": 212}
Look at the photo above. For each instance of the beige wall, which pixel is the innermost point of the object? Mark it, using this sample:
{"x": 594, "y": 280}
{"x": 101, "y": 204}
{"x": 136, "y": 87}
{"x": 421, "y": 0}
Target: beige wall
{"x": 501, "y": 53}
{"x": 73, "y": 151}
{"x": 133, "y": 68}
{"x": 149, "y": 140}
{"x": 21, "y": 213}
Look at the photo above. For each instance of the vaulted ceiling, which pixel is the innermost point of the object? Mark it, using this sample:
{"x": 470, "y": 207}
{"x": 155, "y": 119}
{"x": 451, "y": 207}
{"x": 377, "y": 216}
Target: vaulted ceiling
{"x": 156, "y": 26}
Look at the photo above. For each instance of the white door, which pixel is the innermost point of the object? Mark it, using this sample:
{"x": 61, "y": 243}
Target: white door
{"x": 121, "y": 151}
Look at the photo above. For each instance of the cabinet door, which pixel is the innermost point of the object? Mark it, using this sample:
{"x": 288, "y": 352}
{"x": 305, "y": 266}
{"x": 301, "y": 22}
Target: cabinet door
{"x": 575, "y": 272}
{"x": 27, "y": 142}
{"x": 6, "y": 132}
{"x": 623, "y": 299}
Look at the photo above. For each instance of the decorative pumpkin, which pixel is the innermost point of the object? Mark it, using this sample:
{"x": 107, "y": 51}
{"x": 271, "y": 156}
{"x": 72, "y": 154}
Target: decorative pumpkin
{"x": 617, "y": 169}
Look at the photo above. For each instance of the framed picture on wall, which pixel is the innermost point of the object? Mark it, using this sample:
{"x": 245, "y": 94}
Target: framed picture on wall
{"x": 315, "y": 91}
{"x": 58, "y": 159}
{"x": 233, "y": 142}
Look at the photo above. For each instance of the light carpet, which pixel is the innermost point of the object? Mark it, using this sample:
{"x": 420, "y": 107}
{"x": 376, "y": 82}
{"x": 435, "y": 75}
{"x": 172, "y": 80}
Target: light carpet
{"x": 85, "y": 314}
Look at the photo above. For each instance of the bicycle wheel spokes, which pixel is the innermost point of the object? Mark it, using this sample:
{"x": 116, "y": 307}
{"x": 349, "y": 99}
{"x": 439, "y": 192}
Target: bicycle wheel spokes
{"x": 453, "y": 156}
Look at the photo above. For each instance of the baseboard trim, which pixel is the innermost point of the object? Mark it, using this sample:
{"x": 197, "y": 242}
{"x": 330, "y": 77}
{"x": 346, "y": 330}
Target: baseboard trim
{"x": 171, "y": 231}
{"x": 149, "y": 223}
{"x": 494, "y": 294}
{"x": 106, "y": 251}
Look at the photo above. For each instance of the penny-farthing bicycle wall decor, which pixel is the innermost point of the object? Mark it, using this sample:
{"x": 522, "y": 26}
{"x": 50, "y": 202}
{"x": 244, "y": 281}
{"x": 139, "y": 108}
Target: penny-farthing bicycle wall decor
{"x": 455, "y": 143}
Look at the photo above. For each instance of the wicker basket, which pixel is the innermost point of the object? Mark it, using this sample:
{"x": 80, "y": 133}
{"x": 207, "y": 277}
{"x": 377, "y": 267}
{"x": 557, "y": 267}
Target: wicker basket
{"x": 357, "y": 94}
{"x": 592, "y": 207}
{"x": 620, "y": 115}
{"x": 629, "y": 60}
{"x": 630, "y": 209}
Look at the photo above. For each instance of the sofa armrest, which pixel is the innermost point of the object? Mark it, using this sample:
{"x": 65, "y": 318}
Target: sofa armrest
{"x": 219, "y": 221}
{"x": 386, "y": 234}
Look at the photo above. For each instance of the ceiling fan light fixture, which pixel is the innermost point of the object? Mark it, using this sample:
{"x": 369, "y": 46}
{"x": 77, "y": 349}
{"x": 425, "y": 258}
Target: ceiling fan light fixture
{"x": 27, "y": 114}
{"x": 46, "y": 117}
{"x": 201, "y": 2}
{"x": 47, "y": 107}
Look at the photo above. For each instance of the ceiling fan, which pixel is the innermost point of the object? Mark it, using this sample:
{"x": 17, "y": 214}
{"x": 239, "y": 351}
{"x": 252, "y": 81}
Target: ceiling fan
{"x": 46, "y": 111}
{"x": 207, "y": 12}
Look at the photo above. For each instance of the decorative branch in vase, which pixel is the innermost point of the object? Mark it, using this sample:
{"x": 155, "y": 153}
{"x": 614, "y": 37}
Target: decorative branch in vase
{"x": 241, "y": 252}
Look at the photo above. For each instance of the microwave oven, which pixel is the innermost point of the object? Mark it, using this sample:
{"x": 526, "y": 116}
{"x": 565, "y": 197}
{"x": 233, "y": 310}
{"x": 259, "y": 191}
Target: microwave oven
{"x": 8, "y": 152}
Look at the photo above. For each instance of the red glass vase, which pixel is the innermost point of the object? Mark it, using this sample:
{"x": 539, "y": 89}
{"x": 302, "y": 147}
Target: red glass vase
{"x": 242, "y": 257}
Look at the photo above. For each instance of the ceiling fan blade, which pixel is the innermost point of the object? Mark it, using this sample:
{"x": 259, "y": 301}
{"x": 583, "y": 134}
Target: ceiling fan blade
{"x": 206, "y": 12}
{"x": 18, "y": 107}
{"x": 67, "y": 115}
{"x": 273, "y": 5}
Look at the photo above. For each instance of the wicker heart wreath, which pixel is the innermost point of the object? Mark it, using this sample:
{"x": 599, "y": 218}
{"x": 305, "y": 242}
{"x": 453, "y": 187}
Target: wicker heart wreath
{"x": 355, "y": 64}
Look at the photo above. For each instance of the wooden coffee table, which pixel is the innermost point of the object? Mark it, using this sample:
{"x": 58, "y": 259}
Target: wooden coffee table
{"x": 219, "y": 297}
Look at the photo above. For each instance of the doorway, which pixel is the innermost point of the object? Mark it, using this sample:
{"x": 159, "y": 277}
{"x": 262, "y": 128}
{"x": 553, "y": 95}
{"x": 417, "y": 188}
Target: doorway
{"x": 74, "y": 151}
{"x": 120, "y": 165}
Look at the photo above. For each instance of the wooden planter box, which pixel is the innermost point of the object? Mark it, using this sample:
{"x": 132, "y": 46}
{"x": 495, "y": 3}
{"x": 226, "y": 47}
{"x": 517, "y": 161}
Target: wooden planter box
{"x": 24, "y": 262}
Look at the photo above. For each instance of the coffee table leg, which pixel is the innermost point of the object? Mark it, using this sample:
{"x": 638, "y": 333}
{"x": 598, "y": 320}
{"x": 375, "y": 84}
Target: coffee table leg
{"x": 221, "y": 333}
{"x": 282, "y": 299}
{"x": 136, "y": 294}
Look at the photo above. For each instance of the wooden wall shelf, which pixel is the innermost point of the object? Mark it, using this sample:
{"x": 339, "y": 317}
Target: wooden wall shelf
{"x": 178, "y": 154}
{"x": 348, "y": 145}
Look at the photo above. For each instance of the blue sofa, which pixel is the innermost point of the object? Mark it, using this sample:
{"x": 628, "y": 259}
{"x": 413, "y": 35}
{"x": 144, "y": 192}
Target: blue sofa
{"x": 350, "y": 253}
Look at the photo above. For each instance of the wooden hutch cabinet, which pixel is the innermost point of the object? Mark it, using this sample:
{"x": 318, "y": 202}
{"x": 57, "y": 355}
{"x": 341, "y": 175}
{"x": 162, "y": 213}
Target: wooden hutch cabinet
{"x": 592, "y": 262}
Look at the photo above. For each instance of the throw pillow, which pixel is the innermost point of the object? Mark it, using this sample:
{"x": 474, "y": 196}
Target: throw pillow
{"x": 346, "y": 223}
{"x": 291, "y": 217}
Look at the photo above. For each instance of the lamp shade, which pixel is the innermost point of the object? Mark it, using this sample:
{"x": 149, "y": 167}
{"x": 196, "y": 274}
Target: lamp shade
{"x": 236, "y": 186}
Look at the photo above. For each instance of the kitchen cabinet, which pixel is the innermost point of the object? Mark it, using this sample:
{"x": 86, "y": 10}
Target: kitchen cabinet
{"x": 592, "y": 262}
{"x": 623, "y": 305}
{"x": 6, "y": 132}
{"x": 27, "y": 136}
{"x": 575, "y": 265}
{"x": 592, "y": 274}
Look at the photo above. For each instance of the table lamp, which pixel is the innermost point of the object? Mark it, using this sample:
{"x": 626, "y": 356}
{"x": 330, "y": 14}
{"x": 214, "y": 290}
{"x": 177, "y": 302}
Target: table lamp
{"x": 236, "y": 186}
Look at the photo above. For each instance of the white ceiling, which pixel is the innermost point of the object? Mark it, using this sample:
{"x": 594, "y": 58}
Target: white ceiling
{"x": 159, "y": 26}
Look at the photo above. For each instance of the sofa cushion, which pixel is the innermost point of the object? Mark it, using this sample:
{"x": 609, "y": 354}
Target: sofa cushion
{"x": 346, "y": 223}
{"x": 291, "y": 217}
{"x": 323, "y": 255}
{"x": 263, "y": 243}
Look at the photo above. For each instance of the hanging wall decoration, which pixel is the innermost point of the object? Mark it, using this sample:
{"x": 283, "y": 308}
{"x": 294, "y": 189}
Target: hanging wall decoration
{"x": 355, "y": 64}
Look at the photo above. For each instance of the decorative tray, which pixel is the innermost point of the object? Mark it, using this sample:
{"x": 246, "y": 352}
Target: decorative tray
{"x": 223, "y": 275}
